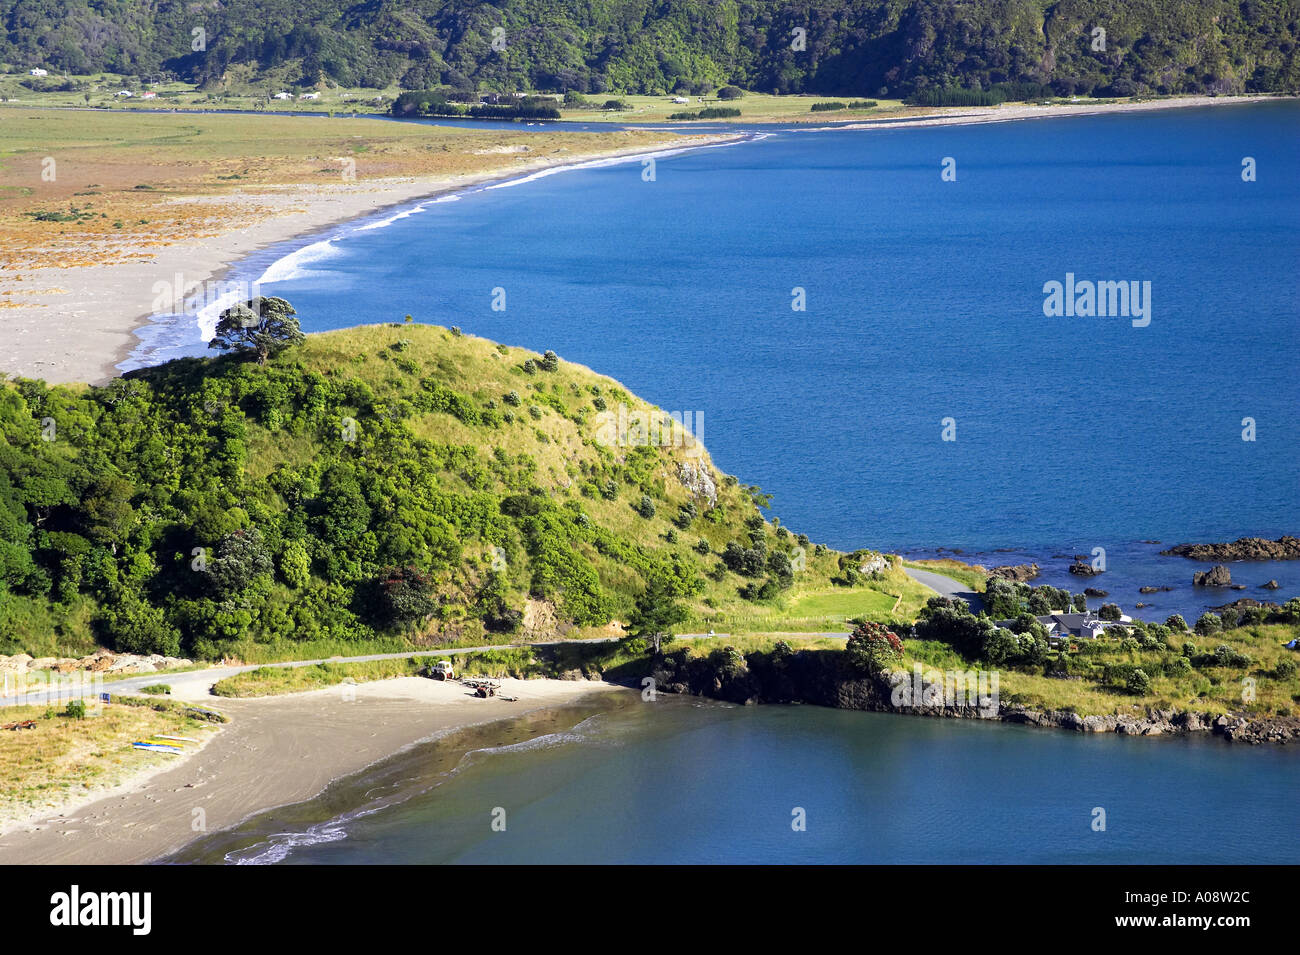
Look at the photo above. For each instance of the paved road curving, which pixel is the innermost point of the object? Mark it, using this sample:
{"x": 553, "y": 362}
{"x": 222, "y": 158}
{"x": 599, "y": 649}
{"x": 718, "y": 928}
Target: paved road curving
{"x": 946, "y": 586}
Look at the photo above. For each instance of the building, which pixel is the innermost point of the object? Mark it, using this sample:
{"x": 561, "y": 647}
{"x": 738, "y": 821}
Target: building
{"x": 125, "y": 93}
{"x": 284, "y": 96}
{"x": 149, "y": 95}
{"x": 309, "y": 96}
{"x": 1075, "y": 626}
{"x": 680, "y": 100}
{"x": 39, "y": 72}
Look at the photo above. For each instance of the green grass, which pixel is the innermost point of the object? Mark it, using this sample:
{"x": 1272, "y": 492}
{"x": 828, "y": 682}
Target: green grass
{"x": 274, "y": 681}
{"x": 842, "y": 605}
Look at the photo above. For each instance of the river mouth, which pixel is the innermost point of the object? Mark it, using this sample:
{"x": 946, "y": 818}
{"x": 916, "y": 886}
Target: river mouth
{"x": 272, "y": 836}
{"x": 617, "y": 779}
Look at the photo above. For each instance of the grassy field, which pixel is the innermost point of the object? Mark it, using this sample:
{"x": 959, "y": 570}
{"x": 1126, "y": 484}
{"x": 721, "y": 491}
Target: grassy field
{"x": 101, "y": 91}
{"x": 64, "y": 758}
{"x": 754, "y": 108}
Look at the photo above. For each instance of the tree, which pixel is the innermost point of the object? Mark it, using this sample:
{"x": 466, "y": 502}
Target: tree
{"x": 1139, "y": 684}
{"x": 872, "y": 647}
{"x": 656, "y": 614}
{"x": 264, "y": 326}
{"x": 241, "y": 558}
{"x": 1109, "y": 612}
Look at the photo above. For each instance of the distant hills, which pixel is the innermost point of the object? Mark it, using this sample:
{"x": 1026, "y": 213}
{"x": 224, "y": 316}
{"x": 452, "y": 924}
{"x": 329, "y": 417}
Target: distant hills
{"x": 889, "y": 48}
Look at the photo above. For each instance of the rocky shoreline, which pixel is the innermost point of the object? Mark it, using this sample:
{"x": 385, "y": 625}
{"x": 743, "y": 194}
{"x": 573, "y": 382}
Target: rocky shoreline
{"x": 807, "y": 678}
{"x": 1244, "y": 548}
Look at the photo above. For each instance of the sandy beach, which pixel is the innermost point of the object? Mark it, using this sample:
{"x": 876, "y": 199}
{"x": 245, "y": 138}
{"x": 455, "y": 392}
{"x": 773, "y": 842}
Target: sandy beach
{"x": 72, "y": 320}
{"x": 962, "y": 116}
{"x": 275, "y": 751}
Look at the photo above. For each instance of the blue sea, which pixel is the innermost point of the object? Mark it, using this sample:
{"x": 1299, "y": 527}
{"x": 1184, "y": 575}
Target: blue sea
{"x": 924, "y": 314}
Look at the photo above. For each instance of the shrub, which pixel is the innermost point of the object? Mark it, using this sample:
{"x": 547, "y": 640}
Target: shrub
{"x": 1285, "y": 669}
{"x": 76, "y": 709}
{"x": 646, "y": 507}
{"x": 730, "y": 92}
{"x": 1109, "y": 612}
{"x": 1139, "y": 684}
{"x": 156, "y": 689}
{"x": 511, "y": 398}
{"x": 550, "y": 361}
{"x": 1208, "y": 623}
{"x": 702, "y": 546}
{"x": 827, "y": 107}
{"x": 1176, "y": 622}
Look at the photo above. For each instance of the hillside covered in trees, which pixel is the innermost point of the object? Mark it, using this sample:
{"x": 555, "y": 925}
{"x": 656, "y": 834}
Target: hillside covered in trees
{"x": 398, "y": 482}
{"x": 891, "y": 48}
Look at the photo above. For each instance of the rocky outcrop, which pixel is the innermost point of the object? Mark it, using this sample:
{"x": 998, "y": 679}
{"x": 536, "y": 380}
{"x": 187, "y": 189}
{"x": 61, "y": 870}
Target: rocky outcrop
{"x": 1271, "y": 585}
{"x": 1152, "y": 590}
{"x": 1216, "y": 576}
{"x": 1244, "y": 548}
{"x": 1081, "y": 569}
{"x": 1017, "y": 572}
{"x": 101, "y": 661}
{"x": 821, "y": 679}
{"x": 1094, "y": 592}
{"x": 698, "y": 479}
{"x": 1246, "y": 603}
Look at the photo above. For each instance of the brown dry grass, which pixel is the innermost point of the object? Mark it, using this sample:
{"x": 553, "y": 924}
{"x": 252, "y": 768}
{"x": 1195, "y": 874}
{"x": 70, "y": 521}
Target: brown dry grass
{"x": 140, "y": 181}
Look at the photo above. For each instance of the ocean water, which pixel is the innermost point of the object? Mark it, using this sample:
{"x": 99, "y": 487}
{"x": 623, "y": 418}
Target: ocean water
{"x": 682, "y": 780}
{"x": 924, "y": 305}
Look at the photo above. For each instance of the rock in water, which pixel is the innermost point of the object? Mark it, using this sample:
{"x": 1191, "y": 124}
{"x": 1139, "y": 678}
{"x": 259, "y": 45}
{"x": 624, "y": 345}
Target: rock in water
{"x": 1080, "y": 569}
{"x": 1016, "y": 572}
{"x": 1245, "y": 548}
{"x": 1216, "y": 576}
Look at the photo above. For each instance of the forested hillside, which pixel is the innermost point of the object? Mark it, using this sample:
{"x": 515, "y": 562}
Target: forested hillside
{"x": 868, "y": 47}
{"x": 390, "y": 482}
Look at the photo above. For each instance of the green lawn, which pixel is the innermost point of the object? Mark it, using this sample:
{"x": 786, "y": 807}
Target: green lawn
{"x": 844, "y": 604}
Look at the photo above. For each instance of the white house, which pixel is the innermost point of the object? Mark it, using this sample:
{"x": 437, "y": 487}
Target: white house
{"x": 39, "y": 72}
{"x": 1079, "y": 626}
{"x": 681, "y": 100}
{"x": 284, "y": 96}
{"x": 125, "y": 93}
{"x": 309, "y": 96}
{"x": 149, "y": 95}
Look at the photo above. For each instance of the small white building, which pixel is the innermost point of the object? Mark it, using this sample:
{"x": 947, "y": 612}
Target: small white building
{"x": 39, "y": 72}
{"x": 1079, "y": 626}
{"x": 124, "y": 93}
{"x": 681, "y": 100}
{"x": 283, "y": 95}
{"x": 309, "y": 96}
{"x": 149, "y": 95}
